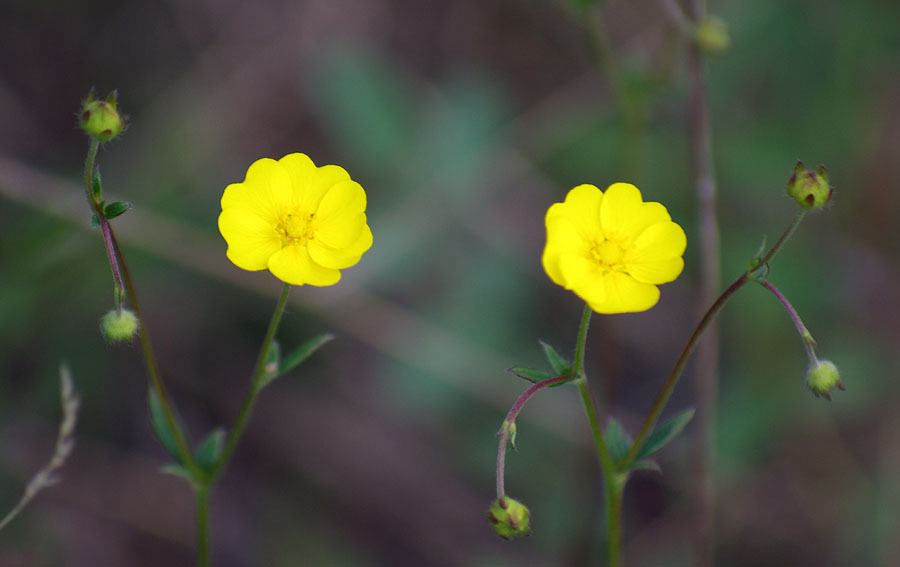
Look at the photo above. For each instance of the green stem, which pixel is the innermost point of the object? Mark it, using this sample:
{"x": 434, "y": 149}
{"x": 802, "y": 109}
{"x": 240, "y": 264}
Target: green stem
{"x": 235, "y": 434}
{"x": 202, "y": 495}
{"x": 669, "y": 385}
{"x": 614, "y": 482}
{"x": 122, "y": 277}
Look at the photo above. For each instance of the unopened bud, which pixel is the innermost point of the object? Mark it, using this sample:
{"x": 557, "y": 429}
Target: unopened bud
{"x": 809, "y": 188}
{"x": 119, "y": 325}
{"x": 712, "y": 36}
{"x": 100, "y": 119}
{"x": 509, "y": 517}
{"x": 822, "y": 378}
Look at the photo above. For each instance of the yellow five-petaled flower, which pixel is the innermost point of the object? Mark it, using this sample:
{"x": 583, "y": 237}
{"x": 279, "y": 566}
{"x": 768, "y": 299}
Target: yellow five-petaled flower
{"x": 612, "y": 249}
{"x": 301, "y": 222}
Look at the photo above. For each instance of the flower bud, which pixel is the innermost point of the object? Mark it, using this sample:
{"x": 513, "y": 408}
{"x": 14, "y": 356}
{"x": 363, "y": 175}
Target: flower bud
{"x": 809, "y": 188}
{"x": 509, "y": 517}
{"x": 100, "y": 119}
{"x": 712, "y": 36}
{"x": 823, "y": 377}
{"x": 119, "y": 325}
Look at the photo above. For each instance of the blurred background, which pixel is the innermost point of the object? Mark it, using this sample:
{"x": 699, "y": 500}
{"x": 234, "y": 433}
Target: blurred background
{"x": 464, "y": 121}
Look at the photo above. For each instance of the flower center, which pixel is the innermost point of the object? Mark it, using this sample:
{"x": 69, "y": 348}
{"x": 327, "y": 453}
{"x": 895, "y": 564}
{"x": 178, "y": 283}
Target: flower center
{"x": 296, "y": 228}
{"x": 610, "y": 255}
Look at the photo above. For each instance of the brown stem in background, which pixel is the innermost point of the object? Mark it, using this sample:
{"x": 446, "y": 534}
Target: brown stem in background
{"x": 708, "y": 349}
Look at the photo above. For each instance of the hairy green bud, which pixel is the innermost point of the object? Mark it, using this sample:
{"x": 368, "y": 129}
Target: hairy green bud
{"x": 823, "y": 377}
{"x": 712, "y": 36}
{"x": 100, "y": 119}
{"x": 119, "y": 325}
{"x": 809, "y": 188}
{"x": 509, "y": 517}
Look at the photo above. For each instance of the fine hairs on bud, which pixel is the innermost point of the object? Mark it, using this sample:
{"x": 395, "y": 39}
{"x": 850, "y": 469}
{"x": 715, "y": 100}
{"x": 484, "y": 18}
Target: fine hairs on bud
{"x": 119, "y": 325}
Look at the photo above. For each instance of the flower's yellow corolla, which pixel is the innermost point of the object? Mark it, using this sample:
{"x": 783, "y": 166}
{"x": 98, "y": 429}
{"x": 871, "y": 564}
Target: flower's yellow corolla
{"x": 612, "y": 249}
{"x": 301, "y": 222}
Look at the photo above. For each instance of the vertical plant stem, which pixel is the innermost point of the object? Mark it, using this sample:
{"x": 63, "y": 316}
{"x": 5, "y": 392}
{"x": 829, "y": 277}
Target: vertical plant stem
{"x": 614, "y": 482}
{"x": 708, "y": 348}
{"x": 201, "y": 493}
{"x": 235, "y": 434}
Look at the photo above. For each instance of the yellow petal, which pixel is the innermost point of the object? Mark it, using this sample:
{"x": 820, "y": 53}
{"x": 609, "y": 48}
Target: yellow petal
{"x": 339, "y": 258}
{"x": 293, "y": 265}
{"x": 656, "y": 255}
{"x": 266, "y": 191}
{"x": 622, "y": 294}
{"x": 582, "y": 209}
{"x": 340, "y": 218}
{"x": 310, "y": 183}
{"x": 251, "y": 240}
{"x": 624, "y": 215}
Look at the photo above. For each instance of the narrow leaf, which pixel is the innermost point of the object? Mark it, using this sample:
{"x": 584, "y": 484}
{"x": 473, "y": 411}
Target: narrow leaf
{"x": 645, "y": 465}
{"x": 95, "y": 220}
{"x": 97, "y": 186}
{"x": 161, "y": 426}
{"x": 665, "y": 433}
{"x": 530, "y": 374}
{"x": 617, "y": 440}
{"x": 210, "y": 449}
{"x": 113, "y": 210}
{"x": 559, "y": 364}
{"x": 304, "y": 351}
{"x": 177, "y": 470}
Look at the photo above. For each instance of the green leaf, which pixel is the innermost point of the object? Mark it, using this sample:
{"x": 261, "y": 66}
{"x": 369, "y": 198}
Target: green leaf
{"x": 97, "y": 186}
{"x": 113, "y": 210}
{"x": 559, "y": 364}
{"x": 209, "y": 450}
{"x": 95, "y": 220}
{"x": 645, "y": 465}
{"x": 665, "y": 433}
{"x": 530, "y": 374}
{"x": 617, "y": 440}
{"x": 161, "y": 426}
{"x": 304, "y": 351}
{"x": 177, "y": 470}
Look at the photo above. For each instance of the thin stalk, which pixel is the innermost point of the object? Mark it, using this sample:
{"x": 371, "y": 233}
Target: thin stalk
{"x": 805, "y": 336}
{"x": 706, "y": 377}
{"x": 235, "y": 434}
{"x": 672, "y": 379}
{"x": 122, "y": 277}
{"x": 202, "y": 497}
{"x": 509, "y": 424}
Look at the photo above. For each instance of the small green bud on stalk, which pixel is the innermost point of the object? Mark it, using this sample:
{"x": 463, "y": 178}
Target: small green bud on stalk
{"x": 100, "y": 119}
{"x": 712, "y": 36}
{"x": 119, "y": 325}
{"x": 809, "y": 188}
{"x": 823, "y": 377}
{"x": 509, "y": 517}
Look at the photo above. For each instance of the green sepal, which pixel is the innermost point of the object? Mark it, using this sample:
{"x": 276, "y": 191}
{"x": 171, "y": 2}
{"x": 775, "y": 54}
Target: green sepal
{"x": 559, "y": 364}
{"x": 208, "y": 452}
{"x": 644, "y": 465}
{"x": 177, "y": 470}
{"x": 113, "y": 210}
{"x": 617, "y": 440}
{"x": 97, "y": 186}
{"x": 271, "y": 364}
{"x": 665, "y": 433}
{"x": 531, "y": 374}
{"x": 161, "y": 426}
{"x": 304, "y": 351}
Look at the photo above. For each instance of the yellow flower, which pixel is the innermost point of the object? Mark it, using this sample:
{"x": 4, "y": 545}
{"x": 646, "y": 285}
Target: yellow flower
{"x": 301, "y": 222}
{"x": 612, "y": 249}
